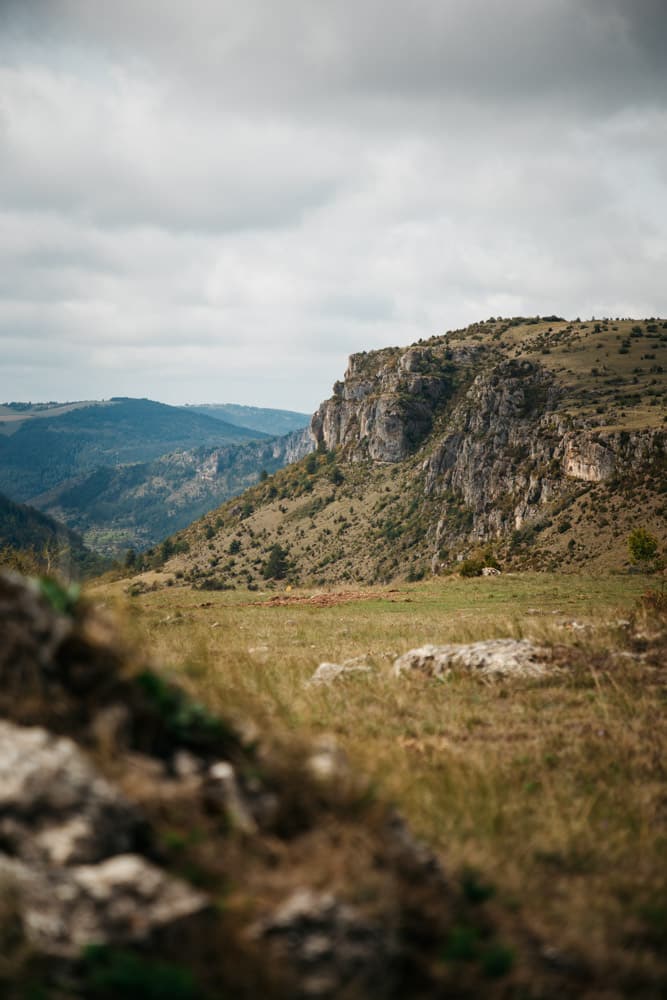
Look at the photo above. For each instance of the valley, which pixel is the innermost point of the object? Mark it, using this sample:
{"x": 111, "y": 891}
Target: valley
{"x": 340, "y": 817}
{"x": 125, "y": 473}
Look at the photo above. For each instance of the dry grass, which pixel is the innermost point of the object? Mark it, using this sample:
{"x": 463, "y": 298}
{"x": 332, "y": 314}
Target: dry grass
{"x": 555, "y": 789}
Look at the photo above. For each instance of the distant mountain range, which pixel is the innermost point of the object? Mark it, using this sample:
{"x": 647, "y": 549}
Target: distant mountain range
{"x": 44, "y": 450}
{"x": 127, "y": 472}
{"x": 257, "y": 418}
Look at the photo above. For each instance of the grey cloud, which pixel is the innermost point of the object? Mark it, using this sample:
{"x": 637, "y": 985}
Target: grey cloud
{"x": 222, "y": 200}
{"x": 590, "y": 52}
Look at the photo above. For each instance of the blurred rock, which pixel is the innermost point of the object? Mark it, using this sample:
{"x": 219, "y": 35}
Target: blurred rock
{"x": 492, "y": 657}
{"x": 329, "y": 943}
{"x": 327, "y": 673}
{"x": 122, "y": 900}
{"x": 54, "y": 805}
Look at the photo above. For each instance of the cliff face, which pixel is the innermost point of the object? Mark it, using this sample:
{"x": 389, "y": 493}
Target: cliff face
{"x": 385, "y": 406}
{"x": 535, "y": 443}
{"x": 508, "y": 453}
{"x": 499, "y": 450}
{"x": 494, "y": 431}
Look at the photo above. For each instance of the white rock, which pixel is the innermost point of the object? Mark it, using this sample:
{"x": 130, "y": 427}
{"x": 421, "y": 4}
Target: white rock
{"x": 54, "y": 804}
{"x": 123, "y": 899}
{"x": 492, "y": 657}
{"x": 327, "y": 673}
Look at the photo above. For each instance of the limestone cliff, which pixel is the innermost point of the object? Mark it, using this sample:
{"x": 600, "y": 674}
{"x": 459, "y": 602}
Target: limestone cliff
{"x": 476, "y": 440}
{"x": 496, "y": 433}
{"x": 385, "y": 406}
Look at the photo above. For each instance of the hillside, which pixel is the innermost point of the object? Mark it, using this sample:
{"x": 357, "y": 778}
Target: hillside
{"x": 526, "y": 442}
{"x": 140, "y": 504}
{"x": 30, "y": 539}
{"x": 257, "y": 418}
{"x": 59, "y": 443}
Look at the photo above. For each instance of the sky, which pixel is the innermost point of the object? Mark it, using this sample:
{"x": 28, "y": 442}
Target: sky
{"x": 219, "y": 201}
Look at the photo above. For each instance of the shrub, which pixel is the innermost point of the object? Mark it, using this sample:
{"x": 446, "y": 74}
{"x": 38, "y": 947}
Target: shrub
{"x": 471, "y": 567}
{"x": 642, "y": 545}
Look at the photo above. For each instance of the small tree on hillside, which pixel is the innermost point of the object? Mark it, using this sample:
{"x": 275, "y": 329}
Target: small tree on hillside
{"x": 643, "y": 546}
{"x": 275, "y": 567}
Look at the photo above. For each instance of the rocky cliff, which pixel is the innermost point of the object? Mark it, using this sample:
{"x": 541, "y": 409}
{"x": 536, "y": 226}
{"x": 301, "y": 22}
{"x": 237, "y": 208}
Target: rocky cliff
{"x": 385, "y": 406}
{"x": 495, "y": 431}
{"x": 467, "y": 445}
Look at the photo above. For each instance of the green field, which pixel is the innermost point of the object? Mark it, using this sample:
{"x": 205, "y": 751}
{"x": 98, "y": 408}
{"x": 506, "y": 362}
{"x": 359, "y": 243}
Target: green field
{"x": 554, "y": 789}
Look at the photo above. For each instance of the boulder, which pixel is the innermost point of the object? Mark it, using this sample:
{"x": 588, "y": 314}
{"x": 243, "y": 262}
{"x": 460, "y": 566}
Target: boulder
{"x": 54, "y": 806}
{"x": 490, "y": 658}
{"x": 65, "y": 836}
{"x": 122, "y": 900}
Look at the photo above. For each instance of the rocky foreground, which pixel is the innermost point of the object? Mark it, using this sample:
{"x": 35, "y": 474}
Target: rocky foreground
{"x": 143, "y": 841}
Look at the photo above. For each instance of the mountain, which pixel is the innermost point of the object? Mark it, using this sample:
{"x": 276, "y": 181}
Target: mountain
{"x": 273, "y": 422}
{"x": 525, "y": 442}
{"x": 52, "y": 444}
{"x": 33, "y": 540}
{"x": 140, "y": 504}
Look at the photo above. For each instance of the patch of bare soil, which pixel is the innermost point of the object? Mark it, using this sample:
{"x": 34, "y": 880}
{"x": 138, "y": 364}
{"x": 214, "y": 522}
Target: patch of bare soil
{"x": 328, "y": 599}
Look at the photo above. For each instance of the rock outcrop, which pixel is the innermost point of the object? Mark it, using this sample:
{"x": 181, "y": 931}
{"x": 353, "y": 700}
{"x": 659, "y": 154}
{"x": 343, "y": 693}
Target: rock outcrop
{"x": 385, "y": 406}
{"x": 497, "y": 445}
{"x": 511, "y": 658}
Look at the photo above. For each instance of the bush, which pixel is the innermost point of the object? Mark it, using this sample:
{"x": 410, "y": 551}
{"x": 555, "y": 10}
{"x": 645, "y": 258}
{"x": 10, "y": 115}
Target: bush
{"x": 643, "y": 546}
{"x": 471, "y": 567}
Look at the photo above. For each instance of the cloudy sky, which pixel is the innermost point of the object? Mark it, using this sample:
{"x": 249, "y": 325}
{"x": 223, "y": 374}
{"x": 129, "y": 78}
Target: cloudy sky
{"x": 220, "y": 200}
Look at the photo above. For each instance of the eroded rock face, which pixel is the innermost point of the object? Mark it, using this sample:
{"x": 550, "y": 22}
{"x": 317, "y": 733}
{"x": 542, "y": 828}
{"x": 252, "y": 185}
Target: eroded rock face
{"x": 499, "y": 455}
{"x": 506, "y": 454}
{"x": 588, "y": 460}
{"x": 504, "y": 446}
{"x": 384, "y": 408}
{"x": 512, "y": 658}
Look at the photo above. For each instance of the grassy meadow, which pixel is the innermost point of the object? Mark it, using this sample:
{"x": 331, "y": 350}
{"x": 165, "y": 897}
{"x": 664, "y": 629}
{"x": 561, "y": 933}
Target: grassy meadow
{"x": 552, "y": 789}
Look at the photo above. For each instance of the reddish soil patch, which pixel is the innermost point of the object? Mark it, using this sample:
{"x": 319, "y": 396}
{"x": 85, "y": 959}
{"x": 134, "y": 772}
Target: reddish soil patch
{"x": 328, "y": 600}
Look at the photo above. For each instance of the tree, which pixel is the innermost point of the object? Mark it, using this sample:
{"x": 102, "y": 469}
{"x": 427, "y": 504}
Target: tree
{"x": 643, "y": 546}
{"x": 275, "y": 567}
